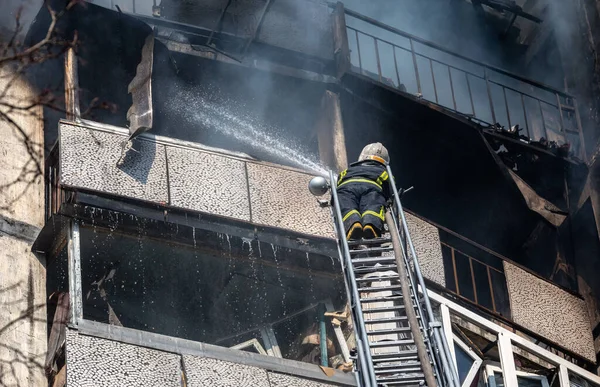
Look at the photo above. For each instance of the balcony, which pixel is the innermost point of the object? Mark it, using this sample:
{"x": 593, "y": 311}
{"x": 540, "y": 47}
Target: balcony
{"x": 529, "y": 111}
{"x": 192, "y": 183}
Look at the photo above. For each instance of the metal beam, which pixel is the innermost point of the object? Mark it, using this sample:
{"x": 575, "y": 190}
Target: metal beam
{"x": 507, "y": 359}
{"x": 447, "y": 326}
{"x": 283, "y": 238}
{"x": 514, "y": 338}
{"x": 563, "y": 376}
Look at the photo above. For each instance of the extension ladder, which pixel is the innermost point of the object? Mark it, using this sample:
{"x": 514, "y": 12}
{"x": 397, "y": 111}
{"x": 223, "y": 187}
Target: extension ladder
{"x": 398, "y": 340}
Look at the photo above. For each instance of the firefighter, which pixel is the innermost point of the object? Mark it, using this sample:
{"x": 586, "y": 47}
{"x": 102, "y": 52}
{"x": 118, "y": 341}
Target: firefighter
{"x": 363, "y": 190}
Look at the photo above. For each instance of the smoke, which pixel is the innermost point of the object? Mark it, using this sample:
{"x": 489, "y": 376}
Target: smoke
{"x": 24, "y": 9}
{"x": 453, "y": 25}
{"x": 223, "y": 118}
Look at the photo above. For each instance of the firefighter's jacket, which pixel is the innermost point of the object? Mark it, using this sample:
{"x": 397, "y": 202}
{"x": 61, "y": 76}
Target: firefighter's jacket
{"x": 367, "y": 172}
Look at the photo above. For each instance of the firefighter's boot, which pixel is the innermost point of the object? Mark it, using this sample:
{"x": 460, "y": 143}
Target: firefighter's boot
{"x": 371, "y": 232}
{"x": 355, "y": 231}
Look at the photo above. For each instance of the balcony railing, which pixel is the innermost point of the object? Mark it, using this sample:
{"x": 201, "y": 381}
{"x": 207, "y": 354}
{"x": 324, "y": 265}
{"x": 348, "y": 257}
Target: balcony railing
{"x": 485, "y": 93}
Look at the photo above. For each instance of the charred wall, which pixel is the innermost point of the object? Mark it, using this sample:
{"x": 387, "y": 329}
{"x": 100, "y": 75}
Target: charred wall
{"x": 301, "y": 26}
{"x": 268, "y": 116}
{"x": 457, "y": 182}
{"x": 108, "y": 46}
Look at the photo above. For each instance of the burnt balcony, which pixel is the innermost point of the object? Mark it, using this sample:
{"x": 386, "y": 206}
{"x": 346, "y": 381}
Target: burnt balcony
{"x": 94, "y": 179}
{"x": 498, "y": 100}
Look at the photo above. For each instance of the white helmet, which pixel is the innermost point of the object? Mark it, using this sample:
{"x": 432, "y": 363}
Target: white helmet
{"x": 375, "y": 151}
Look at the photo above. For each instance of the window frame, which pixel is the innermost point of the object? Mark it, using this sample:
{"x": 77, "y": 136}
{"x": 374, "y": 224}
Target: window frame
{"x": 491, "y": 382}
{"x": 477, "y": 361}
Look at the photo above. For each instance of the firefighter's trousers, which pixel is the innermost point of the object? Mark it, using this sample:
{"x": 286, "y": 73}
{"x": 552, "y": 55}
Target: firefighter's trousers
{"x": 362, "y": 202}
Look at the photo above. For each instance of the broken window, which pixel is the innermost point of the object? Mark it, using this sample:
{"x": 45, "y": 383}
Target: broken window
{"x": 467, "y": 362}
{"x": 266, "y": 116}
{"x": 252, "y": 296}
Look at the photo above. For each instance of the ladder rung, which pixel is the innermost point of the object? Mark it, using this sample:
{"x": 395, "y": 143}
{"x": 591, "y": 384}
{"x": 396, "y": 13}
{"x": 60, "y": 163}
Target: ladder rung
{"x": 388, "y": 320}
{"x": 395, "y": 356}
{"x": 381, "y": 309}
{"x": 358, "y": 261}
{"x": 374, "y": 269}
{"x": 390, "y": 331}
{"x": 391, "y": 343}
{"x": 371, "y": 250}
{"x": 406, "y": 364}
{"x": 373, "y": 289}
{"x": 374, "y": 241}
{"x": 399, "y": 370}
{"x": 382, "y": 299}
{"x": 379, "y": 279}
{"x": 417, "y": 380}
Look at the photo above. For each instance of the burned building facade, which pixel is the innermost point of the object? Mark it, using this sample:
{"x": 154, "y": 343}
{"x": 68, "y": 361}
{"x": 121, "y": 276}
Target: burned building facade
{"x": 181, "y": 244}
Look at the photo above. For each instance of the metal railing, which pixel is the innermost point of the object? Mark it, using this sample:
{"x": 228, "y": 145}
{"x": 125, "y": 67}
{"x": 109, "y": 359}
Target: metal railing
{"x": 486, "y": 93}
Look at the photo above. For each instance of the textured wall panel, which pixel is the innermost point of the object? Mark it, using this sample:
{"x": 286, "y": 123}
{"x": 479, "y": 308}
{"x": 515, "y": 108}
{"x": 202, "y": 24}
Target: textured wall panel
{"x": 98, "y": 362}
{"x": 549, "y": 311}
{"x": 283, "y": 380}
{"x": 209, "y": 183}
{"x": 23, "y": 314}
{"x": 204, "y": 371}
{"x": 89, "y": 160}
{"x": 426, "y": 239}
{"x": 280, "y": 198}
{"x": 22, "y": 274}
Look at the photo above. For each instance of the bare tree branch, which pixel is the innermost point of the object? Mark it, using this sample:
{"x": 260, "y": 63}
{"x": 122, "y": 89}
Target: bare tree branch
{"x": 15, "y": 61}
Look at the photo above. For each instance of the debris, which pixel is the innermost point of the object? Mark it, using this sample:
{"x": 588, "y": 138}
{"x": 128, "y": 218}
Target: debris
{"x": 337, "y": 315}
{"x": 328, "y": 371}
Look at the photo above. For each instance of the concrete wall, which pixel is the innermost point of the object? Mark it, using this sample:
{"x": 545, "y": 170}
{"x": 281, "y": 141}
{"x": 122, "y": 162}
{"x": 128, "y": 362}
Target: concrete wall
{"x": 549, "y": 311}
{"x": 22, "y": 274}
{"x": 94, "y": 361}
{"x": 97, "y": 362}
{"x": 192, "y": 178}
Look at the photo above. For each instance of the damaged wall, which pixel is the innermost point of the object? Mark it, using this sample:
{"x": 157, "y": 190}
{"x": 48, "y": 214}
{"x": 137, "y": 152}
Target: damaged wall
{"x": 211, "y": 182}
{"x": 458, "y": 184}
{"x": 303, "y": 26}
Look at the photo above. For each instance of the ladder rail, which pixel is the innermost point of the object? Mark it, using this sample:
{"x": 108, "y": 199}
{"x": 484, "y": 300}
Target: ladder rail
{"x": 424, "y": 320}
{"x": 448, "y": 367}
{"x": 359, "y": 328}
{"x": 415, "y": 328}
{"x": 361, "y": 364}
